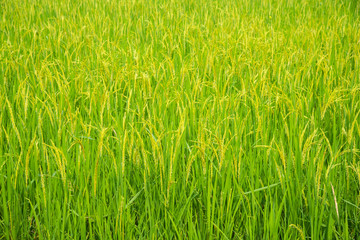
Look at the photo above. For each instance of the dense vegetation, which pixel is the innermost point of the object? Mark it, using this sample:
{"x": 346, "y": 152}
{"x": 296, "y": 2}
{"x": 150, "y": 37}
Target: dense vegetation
{"x": 195, "y": 119}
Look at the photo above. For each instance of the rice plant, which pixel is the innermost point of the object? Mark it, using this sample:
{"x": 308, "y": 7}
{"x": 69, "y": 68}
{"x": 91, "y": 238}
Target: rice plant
{"x": 179, "y": 119}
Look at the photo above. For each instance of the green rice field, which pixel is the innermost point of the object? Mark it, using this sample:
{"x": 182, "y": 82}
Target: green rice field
{"x": 179, "y": 119}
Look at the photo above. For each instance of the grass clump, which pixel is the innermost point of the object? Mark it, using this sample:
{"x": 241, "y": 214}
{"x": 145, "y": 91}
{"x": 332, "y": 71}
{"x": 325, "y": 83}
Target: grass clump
{"x": 179, "y": 119}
